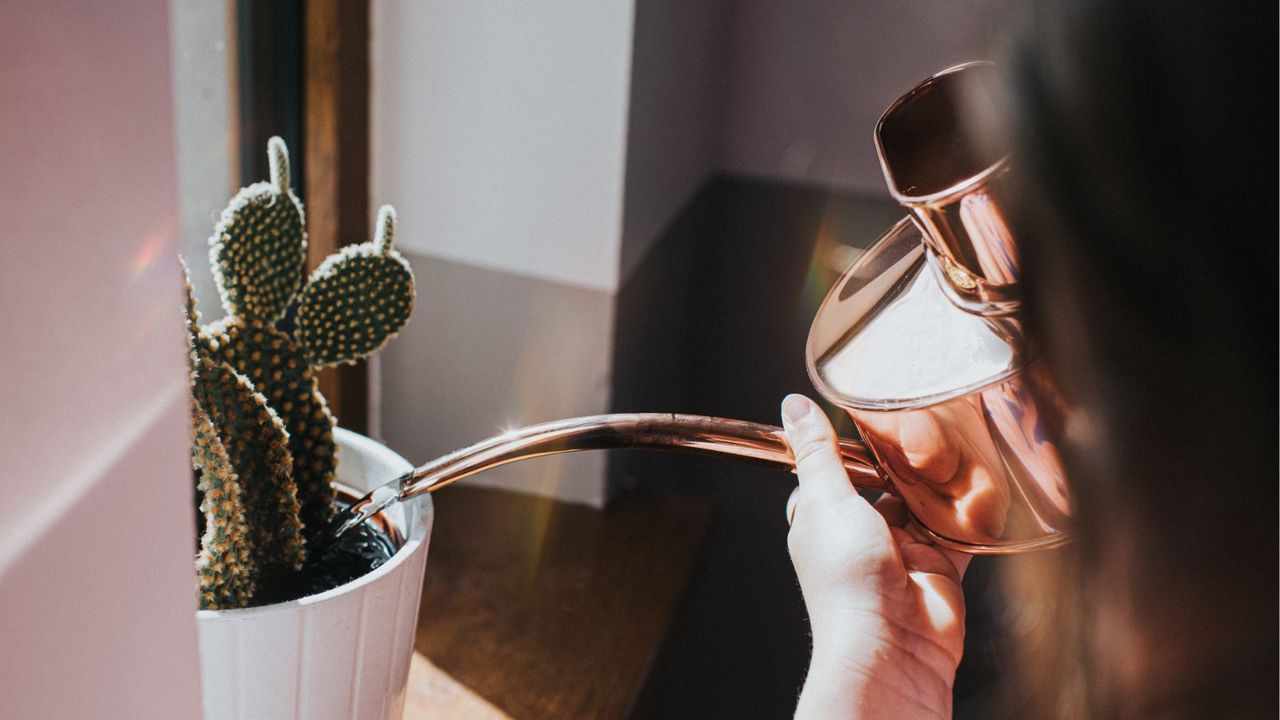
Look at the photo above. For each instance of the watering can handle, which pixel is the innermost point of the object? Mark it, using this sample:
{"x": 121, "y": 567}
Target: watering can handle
{"x": 651, "y": 431}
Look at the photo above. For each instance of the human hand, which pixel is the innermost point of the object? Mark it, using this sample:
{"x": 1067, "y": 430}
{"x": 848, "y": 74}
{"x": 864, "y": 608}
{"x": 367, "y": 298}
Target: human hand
{"x": 885, "y": 604}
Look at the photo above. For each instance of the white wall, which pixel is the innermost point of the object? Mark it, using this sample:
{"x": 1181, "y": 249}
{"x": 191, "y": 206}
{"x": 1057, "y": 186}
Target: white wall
{"x": 502, "y": 131}
{"x": 97, "y": 517}
{"x": 489, "y": 351}
{"x": 809, "y": 78}
{"x": 205, "y": 116}
{"x": 499, "y": 132}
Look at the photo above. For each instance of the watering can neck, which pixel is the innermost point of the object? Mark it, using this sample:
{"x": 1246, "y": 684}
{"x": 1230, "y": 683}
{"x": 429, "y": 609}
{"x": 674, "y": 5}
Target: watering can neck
{"x": 954, "y": 188}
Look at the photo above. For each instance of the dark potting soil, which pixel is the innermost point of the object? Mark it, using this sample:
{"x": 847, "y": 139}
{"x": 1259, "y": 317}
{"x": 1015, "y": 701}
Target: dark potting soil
{"x": 330, "y": 563}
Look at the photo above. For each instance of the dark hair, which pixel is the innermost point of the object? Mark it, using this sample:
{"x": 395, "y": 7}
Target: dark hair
{"x": 1144, "y": 167}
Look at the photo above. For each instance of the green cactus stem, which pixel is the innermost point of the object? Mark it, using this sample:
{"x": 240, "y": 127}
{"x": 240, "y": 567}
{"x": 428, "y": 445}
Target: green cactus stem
{"x": 237, "y": 439}
{"x": 257, "y": 445}
{"x": 276, "y": 366}
{"x": 225, "y": 563}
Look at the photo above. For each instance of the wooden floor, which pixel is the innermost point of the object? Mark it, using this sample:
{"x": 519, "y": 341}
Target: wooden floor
{"x": 433, "y": 693}
{"x": 538, "y": 609}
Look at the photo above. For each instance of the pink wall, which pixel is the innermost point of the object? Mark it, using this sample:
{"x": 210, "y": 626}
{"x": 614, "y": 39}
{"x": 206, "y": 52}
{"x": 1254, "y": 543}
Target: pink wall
{"x": 97, "y": 592}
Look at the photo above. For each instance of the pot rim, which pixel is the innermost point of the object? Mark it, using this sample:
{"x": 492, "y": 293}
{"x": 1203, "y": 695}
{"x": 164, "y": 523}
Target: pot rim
{"x": 414, "y": 536}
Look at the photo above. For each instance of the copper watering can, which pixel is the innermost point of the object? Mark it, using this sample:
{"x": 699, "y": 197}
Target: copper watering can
{"x": 916, "y": 341}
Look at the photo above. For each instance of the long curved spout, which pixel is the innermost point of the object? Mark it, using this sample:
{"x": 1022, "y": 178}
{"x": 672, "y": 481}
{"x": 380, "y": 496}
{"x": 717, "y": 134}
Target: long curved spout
{"x": 649, "y": 431}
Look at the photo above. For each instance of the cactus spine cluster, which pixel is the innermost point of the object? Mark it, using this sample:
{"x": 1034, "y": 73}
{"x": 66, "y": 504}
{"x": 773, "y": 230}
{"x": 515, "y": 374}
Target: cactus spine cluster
{"x": 262, "y": 433}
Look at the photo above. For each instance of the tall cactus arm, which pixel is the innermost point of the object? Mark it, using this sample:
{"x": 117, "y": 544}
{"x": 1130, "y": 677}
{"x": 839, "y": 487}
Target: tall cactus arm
{"x": 194, "y": 333}
{"x": 225, "y": 563}
{"x": 275, "y": 365}
{"x": 192, "y": 314}
{"x": 258, "y": 250}
{"x": 257, "y": 444}
{"x": 357, "y": 299}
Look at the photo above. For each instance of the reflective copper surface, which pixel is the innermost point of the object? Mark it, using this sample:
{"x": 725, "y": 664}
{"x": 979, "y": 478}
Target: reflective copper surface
{"x": 967, "y": 449}
{"x": 653, "y": 431}
{"x": 953, "y": 188}
{"x": 348, "y": 497}
{"x": 976, "y": 471}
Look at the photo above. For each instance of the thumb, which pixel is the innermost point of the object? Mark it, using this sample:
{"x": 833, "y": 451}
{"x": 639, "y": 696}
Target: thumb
{"x": 813, "y": 445}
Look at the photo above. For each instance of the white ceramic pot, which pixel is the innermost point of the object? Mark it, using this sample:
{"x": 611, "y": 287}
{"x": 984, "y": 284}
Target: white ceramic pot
{"x": 343, "y": 653}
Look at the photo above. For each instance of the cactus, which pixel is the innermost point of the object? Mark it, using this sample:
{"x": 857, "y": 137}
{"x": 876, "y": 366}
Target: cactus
{"x": 254, "y": 377}
{"x": 225, "y": 564}
{"x": 244, "y": 479}
{"x": 338, "y": 322}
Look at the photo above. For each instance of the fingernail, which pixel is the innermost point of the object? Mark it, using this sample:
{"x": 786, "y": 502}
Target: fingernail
{"x": 795, "y": 408}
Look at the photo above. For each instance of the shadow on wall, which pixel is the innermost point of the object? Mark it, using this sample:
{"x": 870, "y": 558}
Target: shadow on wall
{"x": 714, "y": 321}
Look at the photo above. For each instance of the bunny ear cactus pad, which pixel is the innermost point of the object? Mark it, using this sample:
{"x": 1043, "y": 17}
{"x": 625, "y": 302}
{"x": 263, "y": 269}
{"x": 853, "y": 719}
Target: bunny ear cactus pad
{"x": 259, "y": 249}
{"x": 357, "y": 299}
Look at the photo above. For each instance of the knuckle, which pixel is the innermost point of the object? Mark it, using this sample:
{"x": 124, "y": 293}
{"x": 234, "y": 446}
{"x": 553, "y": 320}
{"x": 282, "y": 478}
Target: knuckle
{"x": 811, "y": 448}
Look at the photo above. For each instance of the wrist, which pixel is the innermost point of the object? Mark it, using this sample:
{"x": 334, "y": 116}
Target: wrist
{"x": 876, "y": 674}
{"x": 831, "y": 689}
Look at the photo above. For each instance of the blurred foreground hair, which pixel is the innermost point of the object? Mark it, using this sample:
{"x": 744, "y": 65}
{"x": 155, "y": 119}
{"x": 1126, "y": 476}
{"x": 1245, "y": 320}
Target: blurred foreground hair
{"x": 1145, "y": 161}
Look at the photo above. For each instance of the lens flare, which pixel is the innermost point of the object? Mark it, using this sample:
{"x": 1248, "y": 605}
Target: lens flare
{"x": 155, "y": 243}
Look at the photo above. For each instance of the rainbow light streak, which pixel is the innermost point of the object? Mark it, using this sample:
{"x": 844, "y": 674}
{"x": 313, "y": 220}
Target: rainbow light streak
{"x": 539, "y": 520}
{"x": 535, "y": 401}
{"x": 155, "y": 242}
{"x": 828, "y": 259}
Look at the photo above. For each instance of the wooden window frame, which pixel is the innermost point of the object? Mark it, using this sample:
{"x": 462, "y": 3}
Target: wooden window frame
{"x": 304, "y": 75}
